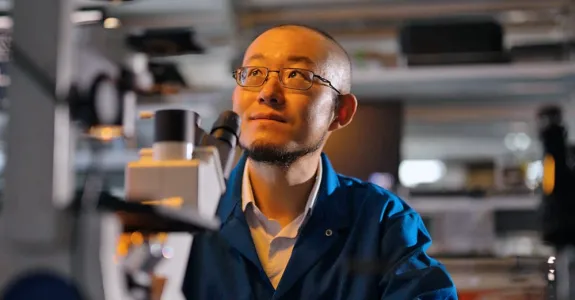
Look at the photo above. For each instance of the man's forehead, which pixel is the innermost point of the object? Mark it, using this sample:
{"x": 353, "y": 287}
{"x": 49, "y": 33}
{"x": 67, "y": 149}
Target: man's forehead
{"x": 287, "y": 44}
{"x": 290, "y": 35}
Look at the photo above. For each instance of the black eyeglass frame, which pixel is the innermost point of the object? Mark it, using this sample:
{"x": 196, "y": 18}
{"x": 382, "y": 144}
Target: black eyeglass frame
{"x": 235, "y": 76}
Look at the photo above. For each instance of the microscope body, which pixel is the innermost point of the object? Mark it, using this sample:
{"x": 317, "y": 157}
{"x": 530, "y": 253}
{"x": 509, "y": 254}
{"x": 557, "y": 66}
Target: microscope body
{"x": 177, "y": 182}
{"x": 181, "y": 170}
{"x": 191, "y": 179}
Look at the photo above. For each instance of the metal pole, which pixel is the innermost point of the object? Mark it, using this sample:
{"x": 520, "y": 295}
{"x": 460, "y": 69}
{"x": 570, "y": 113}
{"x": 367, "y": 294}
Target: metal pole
{"x": 33, "y": 230}
{"x": 565, "y": 266}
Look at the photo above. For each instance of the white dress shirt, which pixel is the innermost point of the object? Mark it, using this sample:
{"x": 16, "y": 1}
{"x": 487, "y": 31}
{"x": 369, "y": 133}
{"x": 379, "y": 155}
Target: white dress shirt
{"x": 273, "y": 244}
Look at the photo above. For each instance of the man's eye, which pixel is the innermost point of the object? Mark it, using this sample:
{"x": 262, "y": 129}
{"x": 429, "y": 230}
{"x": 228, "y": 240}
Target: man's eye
{"x": 255, "y": 72}
{"x": 294, "y": 74}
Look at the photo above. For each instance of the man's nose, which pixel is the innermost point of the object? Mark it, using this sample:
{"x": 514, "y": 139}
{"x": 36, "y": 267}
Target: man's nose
{"x": 272, "y": 92}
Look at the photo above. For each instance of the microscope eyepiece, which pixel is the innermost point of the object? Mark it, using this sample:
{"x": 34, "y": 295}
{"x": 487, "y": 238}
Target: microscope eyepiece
{"x": 227, "y": 128}
{"x": 175, "y": 125}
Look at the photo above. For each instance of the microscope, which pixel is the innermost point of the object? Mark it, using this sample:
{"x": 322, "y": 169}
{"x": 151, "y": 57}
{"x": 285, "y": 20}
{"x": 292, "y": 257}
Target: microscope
{"x": 184, "y": 169}
{"x": 59, "y": 243}
{"x": 558, "y": 203}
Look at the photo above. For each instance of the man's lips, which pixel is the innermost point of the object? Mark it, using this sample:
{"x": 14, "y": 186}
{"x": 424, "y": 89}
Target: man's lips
{"x": 268, "y": 116}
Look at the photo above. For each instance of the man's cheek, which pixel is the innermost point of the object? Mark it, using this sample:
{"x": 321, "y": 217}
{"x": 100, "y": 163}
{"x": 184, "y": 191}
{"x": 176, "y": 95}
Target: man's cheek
{"x": 236, "y": 107}
{"x": 318, "y": 116}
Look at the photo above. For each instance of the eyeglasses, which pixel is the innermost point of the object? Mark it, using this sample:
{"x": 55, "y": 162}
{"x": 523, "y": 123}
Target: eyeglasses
{"x": 291, "y": 78}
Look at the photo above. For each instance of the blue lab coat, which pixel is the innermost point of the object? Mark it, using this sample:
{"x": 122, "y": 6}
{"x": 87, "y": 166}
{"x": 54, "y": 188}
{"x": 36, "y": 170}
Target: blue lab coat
{"x": 360, "y": 242}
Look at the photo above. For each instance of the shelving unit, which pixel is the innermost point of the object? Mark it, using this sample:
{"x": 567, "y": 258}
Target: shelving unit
{"x": 464, "y": 225}
{"x": 426, "y": 205}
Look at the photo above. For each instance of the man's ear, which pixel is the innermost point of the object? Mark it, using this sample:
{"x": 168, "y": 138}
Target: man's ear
{"x": 344, "y": 111}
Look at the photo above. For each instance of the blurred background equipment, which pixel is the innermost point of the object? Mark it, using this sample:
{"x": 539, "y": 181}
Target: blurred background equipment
{"x": 164, "y": 42}
{"x": 83, "y": 87}
{"x": 452, "y": 120}
{"x": 445, "y": 42}
{"x": 167, "y": 78}
{"x": 557, "y": 205}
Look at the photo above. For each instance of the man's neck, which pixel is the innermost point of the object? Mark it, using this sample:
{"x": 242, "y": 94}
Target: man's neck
{"x": 281, "y": 193}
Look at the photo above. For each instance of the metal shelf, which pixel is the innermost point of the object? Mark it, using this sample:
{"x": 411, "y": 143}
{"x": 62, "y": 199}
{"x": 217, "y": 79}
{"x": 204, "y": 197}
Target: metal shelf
{"x": 468, "y": 204}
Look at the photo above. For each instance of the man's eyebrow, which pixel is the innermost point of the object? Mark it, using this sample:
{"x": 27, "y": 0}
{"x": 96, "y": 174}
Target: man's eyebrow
{"x": 304, "y": 59}
{"x": 291, "y": 58}
{"x": 256, "y": 57}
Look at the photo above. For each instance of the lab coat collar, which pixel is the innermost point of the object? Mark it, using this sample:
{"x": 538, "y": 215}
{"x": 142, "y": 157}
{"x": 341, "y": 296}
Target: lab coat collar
{"x": 318, "y": 234}
{"x": 248, "y": 195}
{"x": 232, "y": 198}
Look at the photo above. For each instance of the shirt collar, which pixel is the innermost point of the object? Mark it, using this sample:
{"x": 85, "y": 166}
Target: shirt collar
{"x": 248, "y": 195}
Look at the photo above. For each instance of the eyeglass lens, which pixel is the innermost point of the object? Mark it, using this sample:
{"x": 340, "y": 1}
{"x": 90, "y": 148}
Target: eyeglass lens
{"x": 290, "y": 78}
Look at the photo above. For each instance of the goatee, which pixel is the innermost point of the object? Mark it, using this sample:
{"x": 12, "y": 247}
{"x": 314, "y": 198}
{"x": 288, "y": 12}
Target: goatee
{"x": 279, "y": 156}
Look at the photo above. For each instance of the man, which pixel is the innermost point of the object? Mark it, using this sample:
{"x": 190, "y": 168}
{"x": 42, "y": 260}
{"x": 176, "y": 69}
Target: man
{"x": 292, "y": 228}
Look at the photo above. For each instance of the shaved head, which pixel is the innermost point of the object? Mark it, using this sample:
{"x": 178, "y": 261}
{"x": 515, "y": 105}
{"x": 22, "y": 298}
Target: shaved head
{"x": 338, "y": 59}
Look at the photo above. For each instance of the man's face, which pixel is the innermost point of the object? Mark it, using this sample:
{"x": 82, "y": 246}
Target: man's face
{"x": 280, "y": 124}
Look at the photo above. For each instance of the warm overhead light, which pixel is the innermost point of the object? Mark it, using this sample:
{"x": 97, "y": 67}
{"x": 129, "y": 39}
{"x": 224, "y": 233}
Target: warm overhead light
{"x": 111, "y": 23}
